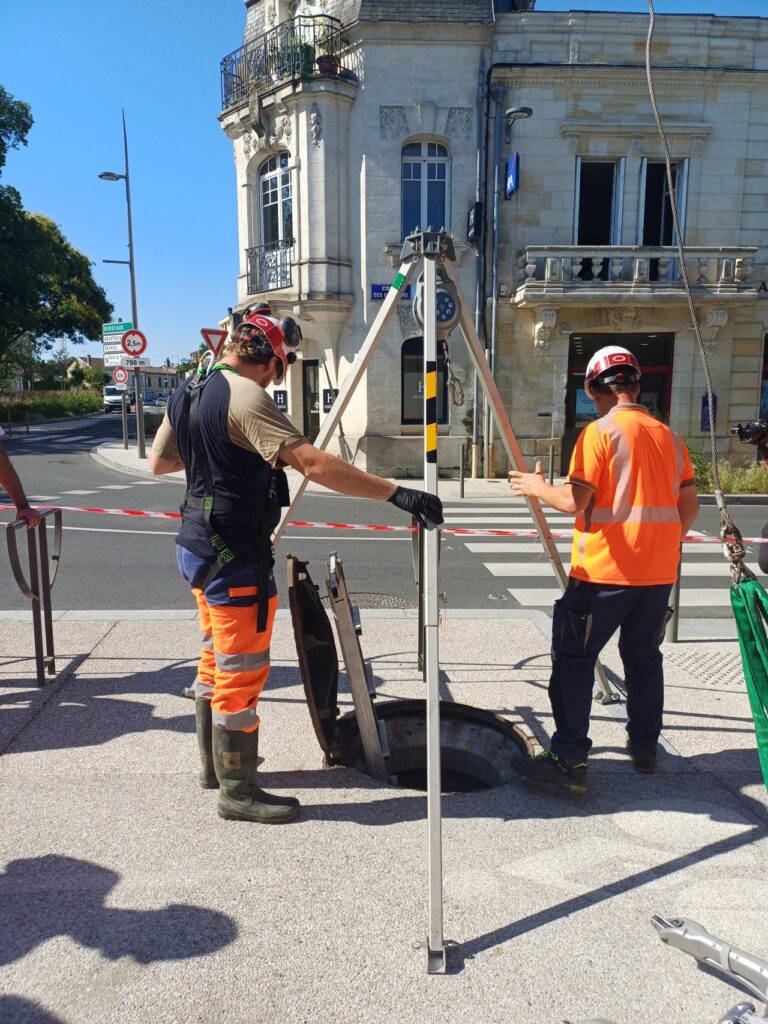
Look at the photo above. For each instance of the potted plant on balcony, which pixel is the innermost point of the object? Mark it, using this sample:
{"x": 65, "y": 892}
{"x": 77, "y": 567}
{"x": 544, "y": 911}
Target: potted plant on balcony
{"x": 327, "y": 64}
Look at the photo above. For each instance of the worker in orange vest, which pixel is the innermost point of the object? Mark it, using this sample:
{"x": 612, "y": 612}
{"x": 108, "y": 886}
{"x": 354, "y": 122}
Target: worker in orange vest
{"x": 632, "y": 488}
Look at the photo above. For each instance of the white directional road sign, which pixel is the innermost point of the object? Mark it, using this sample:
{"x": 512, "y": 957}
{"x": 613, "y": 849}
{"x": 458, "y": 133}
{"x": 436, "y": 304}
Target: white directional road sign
{"x": 119, "y": 375}
{"x": 132, "y": 362}
{"x": 133, "y": 342}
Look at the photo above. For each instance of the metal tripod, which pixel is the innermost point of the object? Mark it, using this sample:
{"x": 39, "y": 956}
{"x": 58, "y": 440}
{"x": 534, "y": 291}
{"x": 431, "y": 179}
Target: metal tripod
{"x": 426, "y": 251}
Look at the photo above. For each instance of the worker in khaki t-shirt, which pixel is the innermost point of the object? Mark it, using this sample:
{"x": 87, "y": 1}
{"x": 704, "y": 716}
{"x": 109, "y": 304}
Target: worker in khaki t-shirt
{"x": 632, "y": 488}
{"x": 230, "y": 438}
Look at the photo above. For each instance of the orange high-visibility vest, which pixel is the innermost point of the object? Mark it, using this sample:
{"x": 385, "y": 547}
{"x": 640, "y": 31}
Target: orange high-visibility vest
{"x": 629, "y": 534}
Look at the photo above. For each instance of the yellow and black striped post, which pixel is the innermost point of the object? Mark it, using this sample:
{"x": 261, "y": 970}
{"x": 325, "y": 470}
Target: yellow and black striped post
{"x": 430, "y": 411}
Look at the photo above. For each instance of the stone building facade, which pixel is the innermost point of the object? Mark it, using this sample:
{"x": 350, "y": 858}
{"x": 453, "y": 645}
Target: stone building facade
{"x": 406, "y": 122}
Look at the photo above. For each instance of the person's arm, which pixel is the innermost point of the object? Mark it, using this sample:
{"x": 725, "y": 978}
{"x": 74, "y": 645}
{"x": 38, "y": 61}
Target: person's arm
{"x": 9, "y": 479}
{"x": 160, "y": 464}
{"x": 568, "y": 497}
{"x": 164, "y": 456}
{"x": 323, "y": 468}
{"x": 687, "y": 507}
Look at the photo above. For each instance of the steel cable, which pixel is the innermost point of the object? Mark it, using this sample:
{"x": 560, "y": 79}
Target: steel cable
{"x": 733, "y": 547}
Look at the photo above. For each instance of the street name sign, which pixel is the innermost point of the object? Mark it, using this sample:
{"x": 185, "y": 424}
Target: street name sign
{"x": 214, "y": 338}
{"x": 134, "y": 362}
{"x": 133, "y": 342}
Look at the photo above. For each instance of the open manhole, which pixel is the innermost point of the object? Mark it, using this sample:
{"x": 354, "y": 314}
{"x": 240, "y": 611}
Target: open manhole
{"x": 388, "y": 739}
{"x": 478, "y": 750}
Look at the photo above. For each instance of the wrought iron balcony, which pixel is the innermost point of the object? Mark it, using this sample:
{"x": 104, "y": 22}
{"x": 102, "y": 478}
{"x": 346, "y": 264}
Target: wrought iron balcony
{"x": 269, "y": 266}
{"x": 286, "y": 52}
{"x": 548, "y": 271}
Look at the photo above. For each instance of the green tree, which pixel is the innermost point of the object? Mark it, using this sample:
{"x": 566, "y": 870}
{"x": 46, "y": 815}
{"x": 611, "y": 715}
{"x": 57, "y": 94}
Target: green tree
{"x": 76, "y": 377}
{"x": 95, "y": 378}
{"x": 47, "y": 290}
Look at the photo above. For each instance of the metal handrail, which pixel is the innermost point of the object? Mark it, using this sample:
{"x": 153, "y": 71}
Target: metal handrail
{"x": 286, "y": 52}
{"x": 42, "y": 573}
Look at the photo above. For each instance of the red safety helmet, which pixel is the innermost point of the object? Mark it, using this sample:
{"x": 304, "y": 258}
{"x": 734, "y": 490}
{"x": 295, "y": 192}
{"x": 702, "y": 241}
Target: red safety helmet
{"x": 284, "y": 336}
{"x": 613, "y": 365}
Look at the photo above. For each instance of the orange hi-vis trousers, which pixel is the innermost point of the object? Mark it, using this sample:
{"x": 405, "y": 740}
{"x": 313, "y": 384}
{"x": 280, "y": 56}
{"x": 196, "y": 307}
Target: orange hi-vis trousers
{"x": 234, "y": 659}
{"x": 234, "y": 656}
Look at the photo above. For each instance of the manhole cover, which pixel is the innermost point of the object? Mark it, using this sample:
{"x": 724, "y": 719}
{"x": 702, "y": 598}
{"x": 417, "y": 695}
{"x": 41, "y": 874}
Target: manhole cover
{"x": 376, "y": 601}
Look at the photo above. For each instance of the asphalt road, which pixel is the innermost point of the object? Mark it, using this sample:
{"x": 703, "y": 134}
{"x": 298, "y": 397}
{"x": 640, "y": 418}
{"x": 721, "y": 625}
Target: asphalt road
{"x": 117, "y": 563}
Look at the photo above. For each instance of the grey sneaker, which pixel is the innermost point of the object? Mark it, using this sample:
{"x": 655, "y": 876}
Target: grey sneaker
{"x": 552, "y": 770}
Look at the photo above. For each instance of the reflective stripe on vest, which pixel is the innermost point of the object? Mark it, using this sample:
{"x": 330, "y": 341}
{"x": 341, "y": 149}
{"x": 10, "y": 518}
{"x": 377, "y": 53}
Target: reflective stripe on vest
{"x": 639, "y": 514}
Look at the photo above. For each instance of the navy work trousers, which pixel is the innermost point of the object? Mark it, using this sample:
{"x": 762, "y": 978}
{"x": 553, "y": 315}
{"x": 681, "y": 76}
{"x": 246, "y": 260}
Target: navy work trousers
{"x": 584, "y": 620}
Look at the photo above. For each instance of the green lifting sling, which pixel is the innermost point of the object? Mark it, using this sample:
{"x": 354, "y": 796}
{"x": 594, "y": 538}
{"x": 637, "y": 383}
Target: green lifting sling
{"x": 750, "y": 609}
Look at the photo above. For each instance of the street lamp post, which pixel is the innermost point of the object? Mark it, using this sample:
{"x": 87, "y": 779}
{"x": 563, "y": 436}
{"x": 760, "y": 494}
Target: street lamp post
{"x": 113, "y": 176}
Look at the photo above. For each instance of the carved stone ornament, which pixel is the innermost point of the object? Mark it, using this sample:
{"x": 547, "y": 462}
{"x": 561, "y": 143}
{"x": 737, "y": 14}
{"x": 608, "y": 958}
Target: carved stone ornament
{"x": 459, "y": 123}
{"x": 713, "y": 320}
{"x": 283, "y": 130}
{"x": 393, "y": 123}
{"x": 624, "y": 317}
{"x": 271, "y": 14}
{"x": 316, "y": 125}
{"x": 542, "y": 331}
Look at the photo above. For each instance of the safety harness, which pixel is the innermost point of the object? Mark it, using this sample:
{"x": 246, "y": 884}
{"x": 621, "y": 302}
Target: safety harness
{"x": 265, "y": 514}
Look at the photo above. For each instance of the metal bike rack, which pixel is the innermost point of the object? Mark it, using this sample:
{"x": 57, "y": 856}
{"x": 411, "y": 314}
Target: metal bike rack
{"x": 42, "y": 573}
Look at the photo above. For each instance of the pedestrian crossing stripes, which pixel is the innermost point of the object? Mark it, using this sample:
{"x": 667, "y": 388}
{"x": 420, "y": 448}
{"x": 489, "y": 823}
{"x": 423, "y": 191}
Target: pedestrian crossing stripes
{"x": 523, "y": 568}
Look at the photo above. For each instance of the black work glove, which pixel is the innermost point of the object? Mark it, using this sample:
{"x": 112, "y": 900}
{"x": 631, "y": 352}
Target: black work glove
{"x": 427, "y": 508}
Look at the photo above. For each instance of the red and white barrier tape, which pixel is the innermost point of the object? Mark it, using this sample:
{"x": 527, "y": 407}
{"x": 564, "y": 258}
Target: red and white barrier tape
{"x": 372, "y": 527}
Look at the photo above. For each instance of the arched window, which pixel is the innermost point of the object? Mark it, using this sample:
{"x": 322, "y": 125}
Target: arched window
{"x": 412, "y": 383}
{"x": 425, "y": 182}
{"x": 275, "y": 199}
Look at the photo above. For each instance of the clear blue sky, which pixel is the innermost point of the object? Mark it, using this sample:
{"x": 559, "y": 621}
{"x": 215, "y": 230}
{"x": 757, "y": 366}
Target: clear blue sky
{"x": 78, "y": 62}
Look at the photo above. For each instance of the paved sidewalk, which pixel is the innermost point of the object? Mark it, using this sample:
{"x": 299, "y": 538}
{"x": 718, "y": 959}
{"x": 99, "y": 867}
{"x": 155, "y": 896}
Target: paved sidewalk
{"x": 125, "y": 899}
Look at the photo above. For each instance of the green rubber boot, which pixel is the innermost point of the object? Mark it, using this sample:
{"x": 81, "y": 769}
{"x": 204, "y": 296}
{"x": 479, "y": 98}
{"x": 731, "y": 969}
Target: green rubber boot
{"x": 204, "y": 725}
{"x": 235, "y": 755}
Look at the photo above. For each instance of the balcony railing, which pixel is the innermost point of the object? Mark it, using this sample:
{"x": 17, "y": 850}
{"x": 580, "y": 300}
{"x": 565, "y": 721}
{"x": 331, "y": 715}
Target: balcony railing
{"x": 286, "y": 52}
{"x": 550, "y": 269}
{"x": 269, "y": 266}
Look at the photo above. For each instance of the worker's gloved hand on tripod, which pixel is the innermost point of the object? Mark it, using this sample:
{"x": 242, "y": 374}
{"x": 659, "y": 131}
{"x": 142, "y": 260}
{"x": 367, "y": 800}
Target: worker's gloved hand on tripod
{"x": 427, "y": 508}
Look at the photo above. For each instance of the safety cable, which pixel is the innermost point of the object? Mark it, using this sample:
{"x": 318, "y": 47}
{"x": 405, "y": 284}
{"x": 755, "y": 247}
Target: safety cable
{"x": 733, "y": 546}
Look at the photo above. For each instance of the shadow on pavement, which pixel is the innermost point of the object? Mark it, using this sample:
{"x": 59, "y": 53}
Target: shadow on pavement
{"x": 15, "y": 1010}
{"x": 52, "y": 895}
{"x": 605, "y": 892}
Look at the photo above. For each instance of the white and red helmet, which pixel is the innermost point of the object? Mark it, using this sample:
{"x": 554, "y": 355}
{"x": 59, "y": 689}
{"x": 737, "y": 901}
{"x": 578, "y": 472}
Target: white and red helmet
{"x": 284, "y": 335}
{"x": 624, "y": 365}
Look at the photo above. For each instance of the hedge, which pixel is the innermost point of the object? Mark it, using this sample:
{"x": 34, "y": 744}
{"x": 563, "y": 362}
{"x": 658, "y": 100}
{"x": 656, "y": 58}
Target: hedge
{"x": 733, "y": 479}
{"x": 29, "y": 406}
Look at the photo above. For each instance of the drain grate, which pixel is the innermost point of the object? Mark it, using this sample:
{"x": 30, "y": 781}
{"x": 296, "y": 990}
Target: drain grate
{"x": 724, "y": 667}
{"x": 376, "y": 601}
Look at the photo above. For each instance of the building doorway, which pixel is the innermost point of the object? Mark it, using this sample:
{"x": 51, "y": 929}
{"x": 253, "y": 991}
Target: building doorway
{"x": 310, "y": 389}
{"x": 654, "y": 352}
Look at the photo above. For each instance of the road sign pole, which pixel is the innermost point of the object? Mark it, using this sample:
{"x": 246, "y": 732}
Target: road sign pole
{"x": 124, "y": 410}
{"x": 139, "y": 413}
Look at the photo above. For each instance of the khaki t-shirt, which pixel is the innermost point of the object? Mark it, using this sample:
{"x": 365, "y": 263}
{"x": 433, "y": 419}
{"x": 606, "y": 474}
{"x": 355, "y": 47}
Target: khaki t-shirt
{"x": 254, "y": 422}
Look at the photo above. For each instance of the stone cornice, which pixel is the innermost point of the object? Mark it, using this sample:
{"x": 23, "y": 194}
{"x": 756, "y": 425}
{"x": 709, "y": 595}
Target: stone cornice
{"x": 635, "y": 128}
{"x": 620, "y": 76}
